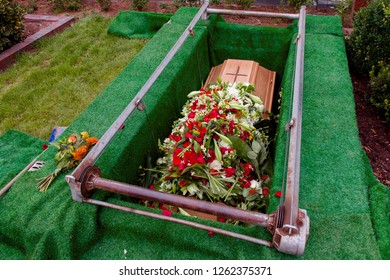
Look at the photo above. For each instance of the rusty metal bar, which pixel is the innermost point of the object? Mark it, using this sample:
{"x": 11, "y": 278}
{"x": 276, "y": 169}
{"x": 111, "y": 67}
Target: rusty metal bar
{"x": 291, "y": 201}
{"x": 217, "y": 209}
{"x": 180, "y": 221}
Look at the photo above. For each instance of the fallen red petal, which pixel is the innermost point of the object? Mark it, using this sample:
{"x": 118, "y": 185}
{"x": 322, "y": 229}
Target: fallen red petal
{"x": 167, "y": 213}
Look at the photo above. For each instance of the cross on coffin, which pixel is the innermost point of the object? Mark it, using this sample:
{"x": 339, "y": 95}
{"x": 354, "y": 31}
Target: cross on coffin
{"x": 246, "y": 71}
{"x": 237, "y": 74}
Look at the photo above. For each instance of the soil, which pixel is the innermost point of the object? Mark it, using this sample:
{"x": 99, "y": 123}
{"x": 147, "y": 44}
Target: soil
{"x": 374, "y": 131}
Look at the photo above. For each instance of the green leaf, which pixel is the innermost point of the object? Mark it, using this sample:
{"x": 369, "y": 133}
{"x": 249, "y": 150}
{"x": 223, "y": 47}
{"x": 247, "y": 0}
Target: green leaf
{"x": 241, "y": 147}
{"x": 225, "y": 139}
{"x": 252, "y": 155}
{"x": 217, "y": 151}
{"x": 193, "y": 189}
{"x": 193, "y": 94}
{"x": 256, "y": 147}
{"x": 196, "y": 147}
{"x": 255, "y": 98}
{"x": 184, "y": 213}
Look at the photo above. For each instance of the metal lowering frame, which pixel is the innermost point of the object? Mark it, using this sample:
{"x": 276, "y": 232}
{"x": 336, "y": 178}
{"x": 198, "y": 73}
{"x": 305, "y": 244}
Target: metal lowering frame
{"x": 289, "y": 225}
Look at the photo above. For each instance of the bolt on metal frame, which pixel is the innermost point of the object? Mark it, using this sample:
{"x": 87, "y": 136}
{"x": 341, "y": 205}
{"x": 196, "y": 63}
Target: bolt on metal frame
{"x": 289, "y": 225}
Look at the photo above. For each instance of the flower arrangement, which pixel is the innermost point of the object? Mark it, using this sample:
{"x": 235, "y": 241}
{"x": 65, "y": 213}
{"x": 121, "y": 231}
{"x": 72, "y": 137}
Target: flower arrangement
{"x": 216, "y": 150}
{"x": 71, "y": 150}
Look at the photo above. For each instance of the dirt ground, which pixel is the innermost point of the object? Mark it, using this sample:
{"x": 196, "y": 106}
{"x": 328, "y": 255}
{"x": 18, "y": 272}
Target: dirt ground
{"x": 374, "y": 131}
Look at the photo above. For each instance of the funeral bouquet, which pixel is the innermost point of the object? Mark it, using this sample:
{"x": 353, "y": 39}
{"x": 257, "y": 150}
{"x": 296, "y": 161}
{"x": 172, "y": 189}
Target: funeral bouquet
{"x": 71, "y": 150}
{"x": 215, "y": 152}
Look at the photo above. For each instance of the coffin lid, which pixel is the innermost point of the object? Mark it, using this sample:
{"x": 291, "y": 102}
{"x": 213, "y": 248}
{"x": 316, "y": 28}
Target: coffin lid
{"x": 246, "y": 71}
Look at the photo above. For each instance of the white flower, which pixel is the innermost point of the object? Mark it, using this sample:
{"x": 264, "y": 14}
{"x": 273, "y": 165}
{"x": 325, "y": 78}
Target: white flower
{"x": 215, "y": 164}
{"x": 259, "y": 107}
{"x": 161, "y": 161}
{"x": 255, "y": 184}
{"x": 223, "y": 144}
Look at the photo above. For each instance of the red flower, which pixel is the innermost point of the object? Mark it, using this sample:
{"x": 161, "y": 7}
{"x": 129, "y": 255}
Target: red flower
{"x": 186, "y": 144}
{"x": 200, "y": 158}
{"x": 199, "y": 139}
{"x": 248, "y": 168}
{"x": 278, "y": 194}
{"x": 229, "y": 171}
{"x": 265, "y": 191}
{"x": 188, "y": 135}
{"x": 202, "y": 130}
{"x": 213, "y": 114}
{"x": 176, "y": 160}
{"x": 221, "y": 219}
{"x": 210, "y": 233}
{"x": 45, "y": 146}
{"x": 181, "y": 166}
{"x": 252, "y": 191}
{"x": 151, "y": 187}
{"x": 175, "y": 137}
{"x": 191, "y": 115}
{"x": 194, "y": 104}
{"x": 167, "y": 213}
{"x": 264, "y": 177}
{"x": 183, "y": 183}
{"x": 211, "y": 156}
{"x": 190, "y": 158}
{"x": 245, "y": 183}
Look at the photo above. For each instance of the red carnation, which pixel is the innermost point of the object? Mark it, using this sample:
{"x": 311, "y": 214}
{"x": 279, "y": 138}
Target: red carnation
{"x": 200, "y": 158}
{"x": 229, "y": 171}
{"x": 167, "y": 213}
{"x": 278, "y": 194}
{"x": 191, "y": 115}
{"x": 188, "y": 135}
{"x": 265, "y": 191}
{"x": 45, "y": 146}
{"x": 183, "y": 183}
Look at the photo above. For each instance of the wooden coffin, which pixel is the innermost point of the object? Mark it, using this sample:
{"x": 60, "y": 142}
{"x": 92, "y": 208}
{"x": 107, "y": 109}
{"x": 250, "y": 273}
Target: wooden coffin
{"x": 246, "y": 71}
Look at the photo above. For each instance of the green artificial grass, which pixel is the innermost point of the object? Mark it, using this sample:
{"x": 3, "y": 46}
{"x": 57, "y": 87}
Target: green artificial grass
{"x": 344, "y": 203}
{"x": 132, "y": 24}
{"x": 17, "y": 150}
{"x": 53, "y": 85}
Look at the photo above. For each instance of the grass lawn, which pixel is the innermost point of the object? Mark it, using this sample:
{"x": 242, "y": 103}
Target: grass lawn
{"x": 53, "y": 85}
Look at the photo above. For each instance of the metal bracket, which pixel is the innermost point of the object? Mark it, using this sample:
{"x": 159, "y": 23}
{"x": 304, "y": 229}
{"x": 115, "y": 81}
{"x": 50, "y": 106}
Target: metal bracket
{"x": 293, "y": 243}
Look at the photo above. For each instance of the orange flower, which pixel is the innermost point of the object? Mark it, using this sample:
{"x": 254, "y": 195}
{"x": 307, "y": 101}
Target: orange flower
{"x": 72, "y": 139}
{"x": 80, "y": 153}
{"x": 91, "y": 141}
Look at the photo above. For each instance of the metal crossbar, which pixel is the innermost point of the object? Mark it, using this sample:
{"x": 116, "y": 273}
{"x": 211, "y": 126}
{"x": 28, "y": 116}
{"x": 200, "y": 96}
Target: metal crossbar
{"x": 289, "y": 224}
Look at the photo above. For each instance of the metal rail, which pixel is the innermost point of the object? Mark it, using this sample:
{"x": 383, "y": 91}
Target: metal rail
{"x": 251, "y": 13}
{"x": 180, "y": 221}
{"x": 289, "y": 225}
{"x": 291, "y": 203}
{"x": 98, "y": 149}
